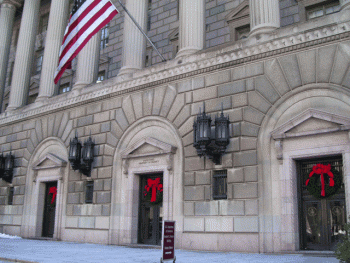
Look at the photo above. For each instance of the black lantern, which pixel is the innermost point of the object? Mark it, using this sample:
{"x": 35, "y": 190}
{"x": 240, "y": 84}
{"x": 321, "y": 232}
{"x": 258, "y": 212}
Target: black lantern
{"x": 7, "y": 163}
{"x": 208, "y": 143}
{"x": 81, "y": 158}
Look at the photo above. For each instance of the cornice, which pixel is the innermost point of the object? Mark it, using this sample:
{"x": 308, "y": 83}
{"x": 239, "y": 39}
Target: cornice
{"x": 174, "y": 70}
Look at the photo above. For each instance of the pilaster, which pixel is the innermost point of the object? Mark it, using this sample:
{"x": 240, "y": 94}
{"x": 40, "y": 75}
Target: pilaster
{"x": 7, "y": 15}
{"x": 191, "y": 31}
{"x": 57, "y": 21}
{"x": 134, "y": 45}
{"x": 24, "y": 54}
{"x": 264, "y": 16}
{"x": 88, "y": 57}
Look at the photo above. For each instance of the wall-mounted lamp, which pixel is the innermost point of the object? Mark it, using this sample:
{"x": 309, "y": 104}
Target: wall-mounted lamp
{"x": 7, "y": 163}
{"x": 211, "y": 142}
{"x": 80, "y": 157}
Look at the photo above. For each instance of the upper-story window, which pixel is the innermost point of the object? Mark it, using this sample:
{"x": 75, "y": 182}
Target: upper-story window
{"x": 64, "y": 88}
{"x": 38, "y": 63}
{"x": 239, "y": 21}
{"x": 322, "y": 9}
{"x": 149, "y": 15}
{"x": 104, "y": 37}
{"x": 101, "y": 76}
{"x": 44, "y": 23}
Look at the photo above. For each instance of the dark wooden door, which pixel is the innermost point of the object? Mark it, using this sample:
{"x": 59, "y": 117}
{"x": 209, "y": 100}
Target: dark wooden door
{"x": 321, "y": 220}
{"x": 49, "y": 209}
{"x": 151, "y": 212}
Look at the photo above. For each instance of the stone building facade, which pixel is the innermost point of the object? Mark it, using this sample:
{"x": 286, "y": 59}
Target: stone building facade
{"x": 279, "y": 69}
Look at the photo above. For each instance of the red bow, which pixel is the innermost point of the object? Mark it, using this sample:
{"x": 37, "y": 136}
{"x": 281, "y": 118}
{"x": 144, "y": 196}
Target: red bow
{"x": 155, "y": 185}
{"x": 53, "y": 191}
{"x": 322, "y": 169}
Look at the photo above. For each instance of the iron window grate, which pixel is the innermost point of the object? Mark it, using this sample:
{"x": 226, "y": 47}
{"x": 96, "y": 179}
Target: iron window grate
{"x": 220, "y": 184}
{"x": 89, "y": 192}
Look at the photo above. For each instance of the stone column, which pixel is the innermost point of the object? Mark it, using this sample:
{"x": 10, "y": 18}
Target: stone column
{"x": 264, "y": 16}
{"x": 191, "y": 32}
{"x": 345, "y": 4}
{"x": 134, "y": 43}
{"x": 24, "y": 54}
{"x": 7, "y": 15}
{"x": 88, "y": 62}
{"x": 57, "y": 23}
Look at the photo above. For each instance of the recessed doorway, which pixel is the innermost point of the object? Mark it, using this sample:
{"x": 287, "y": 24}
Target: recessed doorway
{"x": 49, "y": 209}
{"x": 321, "y": 219}
{"x": 151, "y": 209}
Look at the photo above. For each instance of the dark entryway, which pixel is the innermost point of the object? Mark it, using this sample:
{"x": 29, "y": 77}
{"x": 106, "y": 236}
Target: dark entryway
{"x": 151, "y": 209}
{"x": 321, "y": 219}
{"x": 49, "y": 209}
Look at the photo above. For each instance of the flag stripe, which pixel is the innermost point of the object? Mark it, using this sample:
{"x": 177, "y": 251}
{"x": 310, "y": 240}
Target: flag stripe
{"x": 83, "y": 27}
{"x": 87, "y": 20}
{"x": 79, "y": 17}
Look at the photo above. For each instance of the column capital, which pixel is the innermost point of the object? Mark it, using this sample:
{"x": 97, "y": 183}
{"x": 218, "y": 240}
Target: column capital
{"x": 12, "y": 3}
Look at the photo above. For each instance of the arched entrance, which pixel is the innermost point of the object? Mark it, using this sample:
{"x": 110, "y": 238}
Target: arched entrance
{"x": 149, "y": 149}
{"x": 44, "y": 200}
{"x": 306, "y": 128}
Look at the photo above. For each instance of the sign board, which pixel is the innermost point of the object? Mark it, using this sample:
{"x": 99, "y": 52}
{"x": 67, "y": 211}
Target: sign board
{"x": 168, "y": 241}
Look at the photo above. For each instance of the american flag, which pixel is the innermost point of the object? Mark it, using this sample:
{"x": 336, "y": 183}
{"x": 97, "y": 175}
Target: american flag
{"x": 86, "y": 19}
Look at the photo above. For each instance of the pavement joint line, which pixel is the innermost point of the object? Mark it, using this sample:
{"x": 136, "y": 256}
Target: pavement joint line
{"x": 17, "y": 260}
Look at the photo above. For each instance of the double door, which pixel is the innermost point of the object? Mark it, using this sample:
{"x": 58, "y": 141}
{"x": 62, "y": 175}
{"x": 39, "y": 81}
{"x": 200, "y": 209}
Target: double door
{"x": 321, "y": 220}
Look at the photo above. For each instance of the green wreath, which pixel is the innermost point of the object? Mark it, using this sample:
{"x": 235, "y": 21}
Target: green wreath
{"x": 153, "y": 191}
{"x": 331, "y": 177}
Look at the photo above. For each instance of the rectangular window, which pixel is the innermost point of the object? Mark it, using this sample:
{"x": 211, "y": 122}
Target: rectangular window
{"x": 10, "y": 73}
{"x": 32, "y": 98}
{"x": 149, "y": 15}
{"x": 10, "y": 197}
{"x": 104, "y": 37}
{"x": 101, "y": 76}
{"x": 38, "y": 64}
{"x": 326, "y": 8}
{"x": 64, "y": 88}
{"x": 89, "y": 192}
{"x": 44, "y": 23}
{"x": 220, "y": 184}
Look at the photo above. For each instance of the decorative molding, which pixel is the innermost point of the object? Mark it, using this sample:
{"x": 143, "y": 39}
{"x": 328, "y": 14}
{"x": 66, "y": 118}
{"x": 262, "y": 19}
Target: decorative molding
{"x": 190, "y": 66}
{"x": 162, "y": 149}
{"x": 238, "y": 13}
{"x": 57, "y": 162}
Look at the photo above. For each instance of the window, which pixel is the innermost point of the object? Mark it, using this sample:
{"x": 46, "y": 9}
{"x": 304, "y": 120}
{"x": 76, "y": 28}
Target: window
{"x": 10, "y": 196}
{"x": 104, "y": 37}
{"x": 10, "y": 73}
{"x": 242, "y": 32}
{"x": 89, "y": 191}
{"x": 32, "y": 98}
{"x": 326, "y": 8}
{"x": 101, "y": 76}
{"x": 220, "y": 185}
{"x": 64, "y": 88}
{"x": 149, "y": 15}
{"x": 38, "y": 64}
{"x": 44, "y": 22}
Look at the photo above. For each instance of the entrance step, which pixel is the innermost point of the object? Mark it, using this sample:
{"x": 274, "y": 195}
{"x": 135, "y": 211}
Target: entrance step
{"x": 314, "y": 253}
{"x": 144, "y": 246}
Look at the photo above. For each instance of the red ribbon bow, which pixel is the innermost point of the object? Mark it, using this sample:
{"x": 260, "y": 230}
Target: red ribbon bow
{"x": 53, "y": 191}
{"x": 154, "y": 185}
{"x": 322, "y": 169}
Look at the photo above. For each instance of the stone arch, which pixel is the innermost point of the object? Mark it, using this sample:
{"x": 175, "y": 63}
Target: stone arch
{"x": 49, "y": 162}
{"x": 157, "y": 133}
{"x": 278, "y": 195}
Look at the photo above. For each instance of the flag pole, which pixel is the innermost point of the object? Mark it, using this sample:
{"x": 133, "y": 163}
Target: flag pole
{"x": 139, "y": 27}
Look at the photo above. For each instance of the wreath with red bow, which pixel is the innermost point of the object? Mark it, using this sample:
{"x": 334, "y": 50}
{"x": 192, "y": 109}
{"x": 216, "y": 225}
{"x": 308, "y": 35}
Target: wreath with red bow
{"x": 324, "y": 181}
{"x": 153, "y": 191}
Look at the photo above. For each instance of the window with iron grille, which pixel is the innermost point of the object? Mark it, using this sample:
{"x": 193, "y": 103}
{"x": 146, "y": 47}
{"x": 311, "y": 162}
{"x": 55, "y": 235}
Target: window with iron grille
{"x": 89, "y": 192}
{"x": 220, "y": 184}
{"x": 10, "y": 197}
{"x": 149, "y": 14}
{"x": 322, "y": 9}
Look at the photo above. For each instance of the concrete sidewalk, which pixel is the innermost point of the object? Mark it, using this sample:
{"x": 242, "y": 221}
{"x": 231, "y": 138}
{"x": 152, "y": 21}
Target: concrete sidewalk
{"x": 26, "y": 250}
